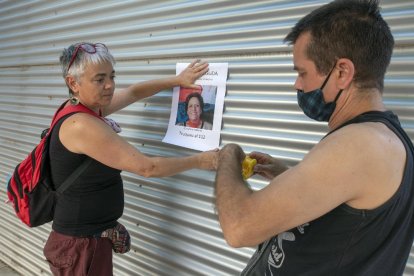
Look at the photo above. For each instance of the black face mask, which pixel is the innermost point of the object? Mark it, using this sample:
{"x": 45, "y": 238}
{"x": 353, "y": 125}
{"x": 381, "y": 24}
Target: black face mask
{"x": 313, "y": 104}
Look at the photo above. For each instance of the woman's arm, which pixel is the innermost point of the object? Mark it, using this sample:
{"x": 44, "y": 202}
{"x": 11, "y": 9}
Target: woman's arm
{"x": 84, "y": 134}
{"x": 138, "y": 91}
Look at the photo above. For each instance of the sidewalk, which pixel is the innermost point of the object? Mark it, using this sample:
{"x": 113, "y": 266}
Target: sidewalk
{"x": 5, "y": 270}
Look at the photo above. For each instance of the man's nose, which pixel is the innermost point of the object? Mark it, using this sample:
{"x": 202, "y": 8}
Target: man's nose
{"x": 297, "y": 85}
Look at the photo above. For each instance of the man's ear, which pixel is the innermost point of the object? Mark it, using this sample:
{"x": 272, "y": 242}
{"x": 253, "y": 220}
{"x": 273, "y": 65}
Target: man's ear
{"x": 346, "y": 70}
{"x": 72, "y": 83}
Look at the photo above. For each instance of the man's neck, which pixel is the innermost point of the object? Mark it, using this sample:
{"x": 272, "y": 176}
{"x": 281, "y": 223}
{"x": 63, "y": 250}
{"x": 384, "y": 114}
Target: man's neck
{"x": 354, "y": 103}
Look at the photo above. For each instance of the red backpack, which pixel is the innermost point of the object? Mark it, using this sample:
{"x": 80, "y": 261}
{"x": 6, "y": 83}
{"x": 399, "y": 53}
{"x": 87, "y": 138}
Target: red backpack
{"x": 30, "y": 188}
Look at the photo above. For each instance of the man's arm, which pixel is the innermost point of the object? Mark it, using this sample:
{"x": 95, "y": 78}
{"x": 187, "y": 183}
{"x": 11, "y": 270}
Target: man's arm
{"x": 363, "y": 173}
{"x": 249, "y": 217}
{"x": 231, "y": 191}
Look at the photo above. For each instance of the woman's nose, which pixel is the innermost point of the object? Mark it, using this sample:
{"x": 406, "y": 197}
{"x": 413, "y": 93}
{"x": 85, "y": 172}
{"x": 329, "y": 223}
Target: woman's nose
{"x": 109, "y": 84}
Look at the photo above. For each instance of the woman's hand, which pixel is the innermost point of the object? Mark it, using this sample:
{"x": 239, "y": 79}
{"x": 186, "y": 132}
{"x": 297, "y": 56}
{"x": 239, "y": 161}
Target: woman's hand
{"x": 190, "y": 74}
{"x": 267, "y": 166}
{"x": 208, "y": 160}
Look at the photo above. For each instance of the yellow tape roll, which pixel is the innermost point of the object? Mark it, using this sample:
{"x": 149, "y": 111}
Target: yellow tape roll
{"x": 247, "y": 167}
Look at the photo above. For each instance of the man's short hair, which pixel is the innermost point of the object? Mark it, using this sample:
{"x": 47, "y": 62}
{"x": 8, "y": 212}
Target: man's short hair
{"x": 352, "y": 29}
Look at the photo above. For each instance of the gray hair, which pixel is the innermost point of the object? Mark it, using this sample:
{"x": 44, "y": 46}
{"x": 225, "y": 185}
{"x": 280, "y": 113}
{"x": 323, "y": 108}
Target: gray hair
{"x": 83, "y": 59}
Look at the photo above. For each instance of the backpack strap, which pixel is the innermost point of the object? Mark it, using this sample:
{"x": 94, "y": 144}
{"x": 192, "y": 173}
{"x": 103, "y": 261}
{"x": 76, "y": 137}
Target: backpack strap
{"x": 60, "y": 113}
{"x": 63, "y": 111}
{"x": 73, "y": 176}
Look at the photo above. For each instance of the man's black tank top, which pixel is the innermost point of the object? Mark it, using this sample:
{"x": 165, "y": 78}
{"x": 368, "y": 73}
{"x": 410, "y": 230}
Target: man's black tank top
{"x": 348, "y": 241}
{"x": 94, "y": 201}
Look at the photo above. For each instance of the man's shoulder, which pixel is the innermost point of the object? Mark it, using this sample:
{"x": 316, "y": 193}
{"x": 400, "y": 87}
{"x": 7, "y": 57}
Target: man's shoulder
{"x": 362, "y": 134}
{"x": 356, "y": 143}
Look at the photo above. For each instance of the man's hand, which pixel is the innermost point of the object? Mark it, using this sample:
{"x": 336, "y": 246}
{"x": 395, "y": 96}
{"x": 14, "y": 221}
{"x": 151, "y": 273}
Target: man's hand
{"x": 267, "y": 166}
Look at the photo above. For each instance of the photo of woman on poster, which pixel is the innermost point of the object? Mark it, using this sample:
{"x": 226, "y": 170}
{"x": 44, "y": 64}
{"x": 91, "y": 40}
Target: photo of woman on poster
{"x": 196, "y": 107}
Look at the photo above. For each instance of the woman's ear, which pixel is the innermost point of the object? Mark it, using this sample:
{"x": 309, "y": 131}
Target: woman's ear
{"x": 72, "y": 83}
{"x": 346, "y": 71}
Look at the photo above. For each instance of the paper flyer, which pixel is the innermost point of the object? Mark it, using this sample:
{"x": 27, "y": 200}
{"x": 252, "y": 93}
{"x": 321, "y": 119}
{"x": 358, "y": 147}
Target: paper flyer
{"x": 196, "y": 114}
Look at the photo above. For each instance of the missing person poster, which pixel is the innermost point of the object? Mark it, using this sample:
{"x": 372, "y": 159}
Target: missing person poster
{"x": 197, "y": 113}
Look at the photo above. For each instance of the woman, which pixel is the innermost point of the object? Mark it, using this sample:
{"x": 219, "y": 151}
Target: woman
{"x": 194, "y": 106}
{"x": 89, "y": 209}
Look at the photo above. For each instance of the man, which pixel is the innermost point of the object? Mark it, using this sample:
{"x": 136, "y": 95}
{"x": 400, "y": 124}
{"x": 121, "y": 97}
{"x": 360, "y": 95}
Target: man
{"x": 347, "y": 207}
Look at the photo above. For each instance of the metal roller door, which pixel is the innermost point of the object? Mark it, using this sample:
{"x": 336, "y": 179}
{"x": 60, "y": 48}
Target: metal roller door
{"x": 172, "y": 220}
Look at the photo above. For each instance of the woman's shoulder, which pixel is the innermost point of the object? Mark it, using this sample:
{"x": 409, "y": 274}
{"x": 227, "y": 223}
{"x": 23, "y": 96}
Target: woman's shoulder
{"x": 80, "y": 120}
{"x": 207, "y": 125}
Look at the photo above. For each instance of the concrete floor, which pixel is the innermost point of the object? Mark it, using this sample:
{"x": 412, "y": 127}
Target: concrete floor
{"x": 5, "y": 270}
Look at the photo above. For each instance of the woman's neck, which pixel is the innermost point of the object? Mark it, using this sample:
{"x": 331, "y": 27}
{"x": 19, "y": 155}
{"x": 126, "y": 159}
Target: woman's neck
{"x": 194, "y": 124}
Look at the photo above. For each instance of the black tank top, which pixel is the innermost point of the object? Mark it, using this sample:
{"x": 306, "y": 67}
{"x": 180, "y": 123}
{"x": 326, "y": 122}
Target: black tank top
{"x": 94, "y": 201}
{"x": 348, "y": 241}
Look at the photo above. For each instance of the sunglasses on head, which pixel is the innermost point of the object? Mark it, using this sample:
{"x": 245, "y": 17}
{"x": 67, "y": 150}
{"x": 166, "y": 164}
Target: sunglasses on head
{"x": 86, "y": 47}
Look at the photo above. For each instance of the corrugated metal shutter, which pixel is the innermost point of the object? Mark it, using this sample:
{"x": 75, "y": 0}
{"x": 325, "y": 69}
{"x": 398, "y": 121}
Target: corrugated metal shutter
{"x": 172, "y": 220}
